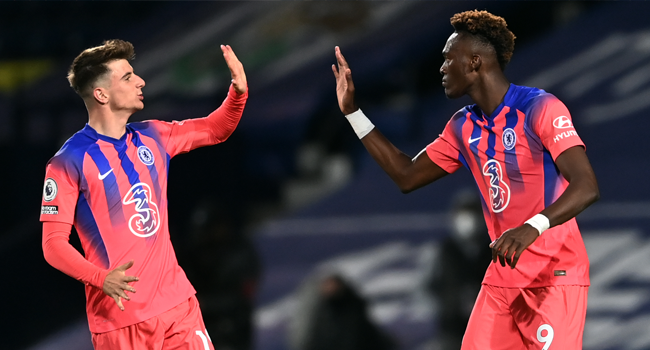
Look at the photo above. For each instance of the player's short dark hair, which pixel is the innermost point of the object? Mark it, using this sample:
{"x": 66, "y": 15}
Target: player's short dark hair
{"x": 91, "y": 64}
{"x": 489, "y": 29}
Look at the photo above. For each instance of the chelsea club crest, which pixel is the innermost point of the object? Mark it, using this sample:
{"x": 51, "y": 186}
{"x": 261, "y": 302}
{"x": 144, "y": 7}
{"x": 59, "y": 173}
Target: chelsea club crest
{"x": 509, "y": 139}
{"x": 145, "y": 155}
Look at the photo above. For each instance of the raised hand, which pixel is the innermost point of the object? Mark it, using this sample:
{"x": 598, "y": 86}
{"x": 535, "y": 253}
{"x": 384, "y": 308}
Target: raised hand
{"x": 344, "y": 84}
{"x": 508, "y": 248}
{"x": 236, "y": 69}
{"x": 116, "y": 283}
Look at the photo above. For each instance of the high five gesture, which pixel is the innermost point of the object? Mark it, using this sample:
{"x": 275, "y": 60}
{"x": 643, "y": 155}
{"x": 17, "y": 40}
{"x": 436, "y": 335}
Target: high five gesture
{"x": 344, "y": 84}
{"x": 236, "y": 69}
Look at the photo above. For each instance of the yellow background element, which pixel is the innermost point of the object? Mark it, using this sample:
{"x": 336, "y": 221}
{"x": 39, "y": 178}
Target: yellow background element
{"x": 16, "y": 74}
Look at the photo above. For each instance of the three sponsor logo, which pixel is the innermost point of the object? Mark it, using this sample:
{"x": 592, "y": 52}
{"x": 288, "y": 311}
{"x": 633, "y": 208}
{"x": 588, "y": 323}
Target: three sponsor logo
{"x": 146, "y": 221}
{"x": 499, "y": 190}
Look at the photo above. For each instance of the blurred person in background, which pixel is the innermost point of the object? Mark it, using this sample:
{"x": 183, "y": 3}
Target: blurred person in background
{"x": 225, "y": 267}
{"x": 533, "y": 176}
{"x": 339, "y": 320}
{"x": 458, "y": 271}
{"x": 109, "y": 180}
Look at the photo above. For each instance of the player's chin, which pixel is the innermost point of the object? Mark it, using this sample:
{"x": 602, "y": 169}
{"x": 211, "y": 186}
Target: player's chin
{"x": 452, "y": 94}
{"x": 136, "y": 108}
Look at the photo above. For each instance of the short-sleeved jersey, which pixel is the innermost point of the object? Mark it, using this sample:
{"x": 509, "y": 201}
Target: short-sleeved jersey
{"x": 114, "y": 192}
{"x": 511, "y": 155}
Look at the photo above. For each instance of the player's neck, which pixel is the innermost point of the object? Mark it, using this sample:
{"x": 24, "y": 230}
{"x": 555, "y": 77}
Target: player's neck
{"x": 489, "y": 92}
{"x": 108, "y": 123}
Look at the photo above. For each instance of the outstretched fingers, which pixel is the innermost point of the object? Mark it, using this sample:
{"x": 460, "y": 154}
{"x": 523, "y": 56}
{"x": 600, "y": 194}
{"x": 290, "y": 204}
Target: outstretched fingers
{"x": 125, "y": 267}
{"x": 117, "y": 282}
{"x": 118, "y": 300}
{"x": 500, "y": 249}
{"x": 343, "y": 64}
{"x": 236, "y": 69}
{"x": 512, "y": 243}
{"x": 344, "y": 83}
{"x": 336, "y": 72}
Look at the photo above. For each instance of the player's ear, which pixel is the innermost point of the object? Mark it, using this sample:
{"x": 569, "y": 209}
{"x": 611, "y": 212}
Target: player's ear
{"x": 475, "y": 62}
{"x": 100, "y": 95}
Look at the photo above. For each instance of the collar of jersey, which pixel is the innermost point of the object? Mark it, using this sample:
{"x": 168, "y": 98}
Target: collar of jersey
{"x": 506, "y": 99}
{"x": 88, "y": 130}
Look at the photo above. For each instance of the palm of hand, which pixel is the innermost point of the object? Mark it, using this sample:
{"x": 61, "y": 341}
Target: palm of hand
{"x": 236, "y": 69}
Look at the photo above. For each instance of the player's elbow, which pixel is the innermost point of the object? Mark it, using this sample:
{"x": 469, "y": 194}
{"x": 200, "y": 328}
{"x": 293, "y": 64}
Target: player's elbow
{"x": 50, "y": 250}
{"x": 594, "y": 194}
{"x": 47, "y": 254}
{"x": 406, "y": 190}
{"x": 406, "y": 186}
{"x": 590, "y": 194}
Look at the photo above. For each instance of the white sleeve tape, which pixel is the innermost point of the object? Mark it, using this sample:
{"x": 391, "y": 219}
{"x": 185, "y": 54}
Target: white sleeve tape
{"x": 360, "y": 123}
{"x": 539, "y": 222}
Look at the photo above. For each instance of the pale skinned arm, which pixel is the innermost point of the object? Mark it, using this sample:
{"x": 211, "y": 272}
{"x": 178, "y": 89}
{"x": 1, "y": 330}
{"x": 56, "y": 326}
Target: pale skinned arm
{"x": 581, "y": 193}
{"x": 236, "y": 70}
{"x": 217, "y": 126}
{"x": 224, "y": 119}
{"x": 409, "y": 174}
{"x": 64, "y": 257}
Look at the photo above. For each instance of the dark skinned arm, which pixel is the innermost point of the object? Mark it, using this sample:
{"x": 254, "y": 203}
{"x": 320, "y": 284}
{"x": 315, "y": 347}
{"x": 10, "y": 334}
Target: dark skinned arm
{"x": 581, "y": 193}
{"x": 409, "y": 174}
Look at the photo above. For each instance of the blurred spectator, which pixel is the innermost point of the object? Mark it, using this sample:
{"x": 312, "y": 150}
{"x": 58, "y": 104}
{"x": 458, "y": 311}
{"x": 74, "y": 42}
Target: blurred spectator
{"x": 224, "y": 268}
{"x": 340, "y": 320}
{"x": 459, "y": 270}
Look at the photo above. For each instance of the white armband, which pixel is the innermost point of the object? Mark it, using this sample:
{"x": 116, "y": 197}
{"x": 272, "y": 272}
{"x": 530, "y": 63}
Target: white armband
{"x": 539, "y": 222}
{"x": 360, "y": 123}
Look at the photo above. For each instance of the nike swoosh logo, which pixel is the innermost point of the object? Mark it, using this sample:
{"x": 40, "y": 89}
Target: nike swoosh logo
{"x": 103, "y": 176}
{"x": 470, "y": 140}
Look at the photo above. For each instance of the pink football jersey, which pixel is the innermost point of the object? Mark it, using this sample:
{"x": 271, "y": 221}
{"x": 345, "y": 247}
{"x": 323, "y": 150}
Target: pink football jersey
{"x": 115, "y": 194}
{"x": 511, "y": 155}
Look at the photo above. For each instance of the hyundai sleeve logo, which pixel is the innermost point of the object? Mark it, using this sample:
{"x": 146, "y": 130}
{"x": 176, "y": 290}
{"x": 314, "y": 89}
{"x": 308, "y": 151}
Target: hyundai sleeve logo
{"x": 562, "y": 122}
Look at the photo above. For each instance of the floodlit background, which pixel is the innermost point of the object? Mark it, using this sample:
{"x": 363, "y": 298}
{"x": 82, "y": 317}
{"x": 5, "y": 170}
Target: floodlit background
{"x": 292, "y": 196}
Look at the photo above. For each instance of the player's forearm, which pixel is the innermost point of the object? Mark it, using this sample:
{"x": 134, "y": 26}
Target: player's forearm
{"x": 577, "y": 197}
{"x": 224, "y": 120}
{"x": 582, "y": 190}
{"x": 394, "y": 162}
{"x": 62, "y": 256}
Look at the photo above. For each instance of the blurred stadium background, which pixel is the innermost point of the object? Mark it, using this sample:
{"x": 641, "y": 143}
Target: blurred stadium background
{"x": 293, "y": 179}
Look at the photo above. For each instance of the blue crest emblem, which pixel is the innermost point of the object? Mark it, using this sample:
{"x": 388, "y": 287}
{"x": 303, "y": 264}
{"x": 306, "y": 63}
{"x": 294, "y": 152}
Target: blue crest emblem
{"x": 145, "y": 155}
{"x": 509, "y": 139}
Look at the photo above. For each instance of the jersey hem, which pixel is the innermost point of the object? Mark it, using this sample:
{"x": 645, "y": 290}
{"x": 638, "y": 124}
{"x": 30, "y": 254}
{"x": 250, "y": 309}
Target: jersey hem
{"x": 144, "y": 318}
{"x": 541, "y": 285}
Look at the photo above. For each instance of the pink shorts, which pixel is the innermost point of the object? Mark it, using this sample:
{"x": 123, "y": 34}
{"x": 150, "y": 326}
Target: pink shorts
{"x": 527, "y": 318}
{"x": 180, "y": 328}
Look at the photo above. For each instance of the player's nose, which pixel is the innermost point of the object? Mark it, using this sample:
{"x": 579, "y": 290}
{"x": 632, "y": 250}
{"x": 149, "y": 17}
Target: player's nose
{"x": 142, "y": 83}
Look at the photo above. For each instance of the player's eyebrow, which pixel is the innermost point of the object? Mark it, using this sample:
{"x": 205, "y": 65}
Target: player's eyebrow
{"x": 126, "y": 75}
